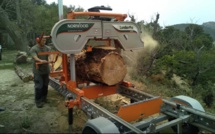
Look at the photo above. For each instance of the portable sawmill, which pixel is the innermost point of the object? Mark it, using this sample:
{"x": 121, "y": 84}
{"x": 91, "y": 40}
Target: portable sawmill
{"x": 93, "y": 67}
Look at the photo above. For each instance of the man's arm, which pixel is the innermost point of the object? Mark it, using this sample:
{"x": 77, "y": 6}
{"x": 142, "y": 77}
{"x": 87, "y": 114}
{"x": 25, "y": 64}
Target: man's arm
{"x": 39, "y": 60}
{"x": 34, "y": 56}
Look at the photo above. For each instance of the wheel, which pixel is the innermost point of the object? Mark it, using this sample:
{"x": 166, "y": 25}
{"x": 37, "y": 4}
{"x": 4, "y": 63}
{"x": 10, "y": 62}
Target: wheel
{"x": 189, "y": 102}
{"x": 100, "y": 125}
{"x": 88, "y": 130}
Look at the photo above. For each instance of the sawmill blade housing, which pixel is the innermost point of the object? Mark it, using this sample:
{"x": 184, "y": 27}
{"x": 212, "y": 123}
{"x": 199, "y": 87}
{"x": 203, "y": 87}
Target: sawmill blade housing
{"x": 70, "y": 36}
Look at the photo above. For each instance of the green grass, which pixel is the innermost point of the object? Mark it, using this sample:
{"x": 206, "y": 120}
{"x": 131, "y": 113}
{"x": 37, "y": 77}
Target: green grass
{"x": 8, "y": 58}
{"x": 26, "y": 122}
{"x": 167, "y": 89}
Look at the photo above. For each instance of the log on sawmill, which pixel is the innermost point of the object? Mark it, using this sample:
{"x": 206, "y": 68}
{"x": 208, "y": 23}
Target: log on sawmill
{"x": 24, "y": 76}
{"x": 103, "y": 65}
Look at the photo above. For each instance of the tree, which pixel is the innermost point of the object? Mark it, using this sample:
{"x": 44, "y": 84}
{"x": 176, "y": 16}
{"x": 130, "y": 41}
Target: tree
{"x": 11, "y": 27}
{"x": 131, "y": 16}
{"x": 155, "y": 26}
{"x": 17, "y": 23}
{"x": 197, "y": 37}
{"x": 24, "y": 19}
{"x": 189, "y": 54}
{"x": 148, "y": 56}
{"x": 38, "y": 2}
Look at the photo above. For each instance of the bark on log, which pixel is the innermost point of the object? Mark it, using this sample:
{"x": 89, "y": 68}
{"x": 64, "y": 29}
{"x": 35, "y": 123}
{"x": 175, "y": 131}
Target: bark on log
{"x": 102, "y": 65}
{"x": 24, "y": 76}
{"x": 21, "y": 57}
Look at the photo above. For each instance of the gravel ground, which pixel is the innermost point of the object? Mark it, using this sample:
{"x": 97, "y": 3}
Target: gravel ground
{"x": 20, "y": 114}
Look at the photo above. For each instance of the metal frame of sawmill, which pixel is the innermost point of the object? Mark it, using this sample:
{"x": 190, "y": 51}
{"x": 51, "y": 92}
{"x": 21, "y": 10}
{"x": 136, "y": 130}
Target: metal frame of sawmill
{"x": 181, "y": 114}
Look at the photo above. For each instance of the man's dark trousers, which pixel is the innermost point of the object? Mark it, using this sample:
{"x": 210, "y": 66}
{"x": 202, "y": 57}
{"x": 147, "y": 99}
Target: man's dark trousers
{"x": 41, "y": 82}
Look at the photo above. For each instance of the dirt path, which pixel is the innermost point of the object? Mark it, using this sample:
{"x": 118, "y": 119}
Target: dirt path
{"x": 21, "y": 114}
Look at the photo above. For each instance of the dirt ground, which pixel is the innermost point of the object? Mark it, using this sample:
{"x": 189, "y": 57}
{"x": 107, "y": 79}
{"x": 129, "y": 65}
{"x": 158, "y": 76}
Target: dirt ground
{"x": 20, "y": 113}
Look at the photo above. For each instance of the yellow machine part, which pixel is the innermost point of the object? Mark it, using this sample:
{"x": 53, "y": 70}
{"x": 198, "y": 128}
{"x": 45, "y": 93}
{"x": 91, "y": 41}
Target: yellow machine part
{"x": 57, "y": 61}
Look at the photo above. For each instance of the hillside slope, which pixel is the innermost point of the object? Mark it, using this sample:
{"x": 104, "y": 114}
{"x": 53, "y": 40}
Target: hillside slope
{"x": 208, "y": 27}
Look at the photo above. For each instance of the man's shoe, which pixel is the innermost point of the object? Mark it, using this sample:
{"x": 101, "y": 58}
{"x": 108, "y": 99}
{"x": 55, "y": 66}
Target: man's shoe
{"x": 39, "y": 104}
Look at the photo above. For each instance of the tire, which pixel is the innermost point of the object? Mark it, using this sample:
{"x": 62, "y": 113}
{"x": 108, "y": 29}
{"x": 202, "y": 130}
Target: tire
{"x": 89, "y": 130}
{"x": 100, "y": 125}
{"x": 189, "y": 102}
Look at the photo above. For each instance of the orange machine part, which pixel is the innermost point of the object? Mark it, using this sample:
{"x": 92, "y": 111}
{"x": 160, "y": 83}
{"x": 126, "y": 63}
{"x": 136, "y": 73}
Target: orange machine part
{"x": 127, "y": 84}
{"x": 53, "y": 74}
{"x": 119, "y": 17}
{"x": 71, "y": 85}
{"x": 46, "y": 53}
{"x": 65, "y": 68}
{"x": 56, "y": 74}
{"x": 99, "y": 91}
{"x": 89, "y": 49}
{"x": 71, "y": 103}
{"x": 140, "y": 110}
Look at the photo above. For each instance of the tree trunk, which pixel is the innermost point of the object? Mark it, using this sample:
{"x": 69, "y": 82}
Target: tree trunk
{"x": 21, "y": 58}
{"x": 194, "y": 82}
{"x": 24, "y": 76}
{"x": 155, "y": 26}
{"x": 16, "y": 35}
{"x": 102, "y": 65}
{"x": 18, "y": 14}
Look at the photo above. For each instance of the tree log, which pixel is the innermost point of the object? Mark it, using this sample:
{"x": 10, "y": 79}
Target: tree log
{"x": 102, "y": 65}
{"x": 21, "y": 57}
{"x": 24, "y": 76}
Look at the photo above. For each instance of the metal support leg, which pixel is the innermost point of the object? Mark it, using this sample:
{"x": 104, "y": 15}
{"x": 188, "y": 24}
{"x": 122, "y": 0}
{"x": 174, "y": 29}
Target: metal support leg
{"x": 70, "y": 113}
{"x": 72, "y": 67}
{"x": 179, "y": 128}
{"x": 73, "y": 78}
{"x": 70, "y": 119}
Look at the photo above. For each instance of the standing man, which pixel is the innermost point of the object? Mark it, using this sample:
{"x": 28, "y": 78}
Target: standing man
{"x": 41, "y": 72}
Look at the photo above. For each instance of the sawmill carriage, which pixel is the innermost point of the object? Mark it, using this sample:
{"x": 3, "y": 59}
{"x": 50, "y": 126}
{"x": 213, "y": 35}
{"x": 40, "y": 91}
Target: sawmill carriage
{"x": 92, "y": 67}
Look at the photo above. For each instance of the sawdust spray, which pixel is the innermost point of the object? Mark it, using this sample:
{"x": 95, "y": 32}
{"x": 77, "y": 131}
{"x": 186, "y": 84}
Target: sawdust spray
{"x": 150, "y": 44}
{"x": 137, "y": 57}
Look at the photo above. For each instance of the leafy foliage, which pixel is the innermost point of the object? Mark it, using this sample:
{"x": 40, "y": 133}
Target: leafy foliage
{"x": 30, "y": 18}
{"x": 188, "y": 54}
{"x": 208, "y": 27}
